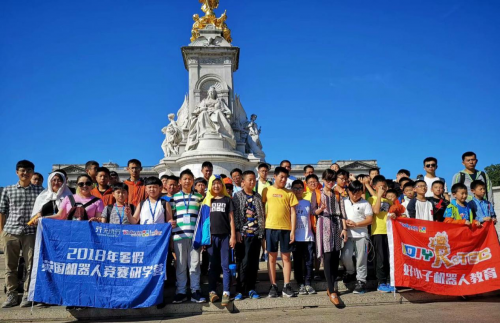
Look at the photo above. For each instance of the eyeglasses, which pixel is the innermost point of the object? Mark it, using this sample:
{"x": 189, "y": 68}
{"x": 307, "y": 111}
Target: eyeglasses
{"x": 82, "y": 184}
{"x": 430, "y": 165}
{"x": 341, "y": 179}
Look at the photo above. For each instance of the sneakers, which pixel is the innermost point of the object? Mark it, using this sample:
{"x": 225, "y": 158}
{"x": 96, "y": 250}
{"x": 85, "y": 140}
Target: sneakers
{"x": 310, "y": 290}
{"x": 197, "y": 298}
{"x": 10, "y": 301}
{"x": 359, "y": 288}
{"x": 273, "y": 291}
{"x": 212, "y": 296}
{"x": 25, "y": 302}
{"x": 383, "y": 288}
{"x": 225, "y": 300}
{"x": 238, "y": 297}
{"x": 391, "y": 289}
{"x": 288, "y": 291}
{"x": 179, "y": 298}
{"x": 253, "y": 295}
{"x": 302, "y": 290}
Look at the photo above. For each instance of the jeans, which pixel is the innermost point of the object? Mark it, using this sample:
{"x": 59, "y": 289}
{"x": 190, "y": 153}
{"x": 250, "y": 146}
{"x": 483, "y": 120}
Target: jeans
{"x": 219, "y": 254}
{"x": 186, "y": 258}
{"x": 303, "y": 258}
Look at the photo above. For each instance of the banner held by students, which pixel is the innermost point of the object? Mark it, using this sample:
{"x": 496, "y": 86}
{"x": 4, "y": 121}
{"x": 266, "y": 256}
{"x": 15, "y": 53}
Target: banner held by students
{"x": 442, "y": 258}
{"x": 77, "y": 263}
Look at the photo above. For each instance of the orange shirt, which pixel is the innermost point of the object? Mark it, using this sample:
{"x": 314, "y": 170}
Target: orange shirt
{"x": 107, "y": 197}
{"x": 136, "y": 192}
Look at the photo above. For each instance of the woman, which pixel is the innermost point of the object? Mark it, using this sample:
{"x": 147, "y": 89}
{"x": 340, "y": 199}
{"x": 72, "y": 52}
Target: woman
{"x": 330, "y": 231}
{"x": 82, "y": 196}
{"x": 49, "y": 201}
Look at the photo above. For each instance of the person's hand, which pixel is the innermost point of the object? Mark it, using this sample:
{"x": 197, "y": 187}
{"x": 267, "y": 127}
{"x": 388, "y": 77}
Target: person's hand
{"x": 239, "y": 238}
{"x": 343, "y": 235}
{"x": 351, "y": 223}
{"x": 31, "y": 223}
{"x": 292, "y": 237}
{"x": 381, "y": 191}
{"x": 392, "y": 215}
{"x": 232, "y": 242}
{"x": 494, "y": 221}
{"x": 128, "y": 210}
{"x": 95, "y": 219}
{"x": 467, "y": 222}
{"x": 322, "y": 207}
{"x": 352, "y": 178}
{"x": 173, "y": 223}
{"x": 366, "y": 180}
{"x": 486, "y": 219}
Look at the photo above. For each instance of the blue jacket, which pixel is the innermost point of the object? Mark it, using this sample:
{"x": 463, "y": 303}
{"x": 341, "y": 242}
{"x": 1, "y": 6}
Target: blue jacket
{"x": 481, "y": 209}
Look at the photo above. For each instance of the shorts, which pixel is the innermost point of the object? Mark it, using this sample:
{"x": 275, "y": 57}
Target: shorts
{"x": 278, "y": 237}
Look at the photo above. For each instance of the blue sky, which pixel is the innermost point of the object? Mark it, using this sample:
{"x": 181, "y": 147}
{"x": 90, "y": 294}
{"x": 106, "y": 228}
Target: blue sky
{"x": 395, "y": 81}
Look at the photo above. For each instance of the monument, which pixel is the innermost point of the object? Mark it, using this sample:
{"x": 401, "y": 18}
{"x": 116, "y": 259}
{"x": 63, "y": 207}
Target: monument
{"x": 211, "y": 123}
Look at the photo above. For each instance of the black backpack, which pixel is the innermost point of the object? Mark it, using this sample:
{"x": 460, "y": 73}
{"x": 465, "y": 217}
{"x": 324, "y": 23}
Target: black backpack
{"x": 481, "y": 173}
{"x": 78, "y": 210}
{"x": 109, "y": 208}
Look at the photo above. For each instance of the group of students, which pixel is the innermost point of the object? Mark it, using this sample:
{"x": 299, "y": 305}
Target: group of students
{"x": 310, "y": 220}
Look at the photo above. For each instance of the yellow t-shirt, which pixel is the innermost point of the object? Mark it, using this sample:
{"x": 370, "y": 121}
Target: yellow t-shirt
{"x": 379, "y": 223}
{"x": 279, "y": 203}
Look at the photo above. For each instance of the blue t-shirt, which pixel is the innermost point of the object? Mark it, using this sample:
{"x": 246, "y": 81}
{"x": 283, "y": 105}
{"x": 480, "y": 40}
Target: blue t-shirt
{"x": 464, "y": 212}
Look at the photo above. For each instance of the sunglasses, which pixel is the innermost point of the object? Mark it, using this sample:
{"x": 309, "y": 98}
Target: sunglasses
{"x": 82, "y": 184}
{"x": 430, "y": 165}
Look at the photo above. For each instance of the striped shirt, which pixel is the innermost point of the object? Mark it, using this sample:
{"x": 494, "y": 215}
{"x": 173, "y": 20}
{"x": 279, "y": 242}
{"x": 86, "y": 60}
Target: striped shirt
{"x": 16, "y": 204}
{"x": 185, "y": 213}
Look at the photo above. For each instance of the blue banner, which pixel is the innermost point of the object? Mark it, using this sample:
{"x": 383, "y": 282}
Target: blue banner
{"x": 90, "y": 264}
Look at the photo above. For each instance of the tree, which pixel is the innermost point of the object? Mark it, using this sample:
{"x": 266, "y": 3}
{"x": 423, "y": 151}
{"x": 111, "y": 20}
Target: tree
{"x": 493, "y": 172}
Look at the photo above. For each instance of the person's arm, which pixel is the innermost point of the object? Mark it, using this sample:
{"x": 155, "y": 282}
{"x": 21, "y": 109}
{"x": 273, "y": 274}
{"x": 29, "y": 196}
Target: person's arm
{"x": 4, "y": 209}
{"x": 293, "y": 215}
{"x": 136, "y": 218}
{"x": 378, "y": 202}
{"x": 2, "y": 222}
{"x": 370, "y": 189}
{"x": 170, "y": 217}
{"x": 232, "y": 240}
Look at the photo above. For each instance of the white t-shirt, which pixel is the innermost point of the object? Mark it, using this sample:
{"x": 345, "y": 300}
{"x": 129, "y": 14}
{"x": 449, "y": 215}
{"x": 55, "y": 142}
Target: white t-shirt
{"x": 303, "y": 231}
{"x": 424, "y": 210}
{"x": 429, "y": 181}
{"x": 405, "y": 204}
{"x": 357, "y": 212}
{"x": 146, "y": 215}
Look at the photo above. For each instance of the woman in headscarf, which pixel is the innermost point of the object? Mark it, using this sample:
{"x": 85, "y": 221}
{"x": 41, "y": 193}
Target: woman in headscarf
{"x": 49, "y": 201}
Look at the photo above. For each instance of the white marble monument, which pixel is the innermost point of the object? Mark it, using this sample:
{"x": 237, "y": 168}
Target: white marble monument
{"x": 211, "y": 124}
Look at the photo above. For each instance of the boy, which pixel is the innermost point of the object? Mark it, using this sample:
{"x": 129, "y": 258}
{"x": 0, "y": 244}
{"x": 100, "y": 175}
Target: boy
{"x": 430, "y": 167}
{"x": 439, "y": 203}
{"x": 37, "y": 179}
{"x": 309, "y": 170}
{"x": 408, "y": 193}
{"x": 136, "y": 189}
{"x": 304, "y": 241}
{"x": 359, "y": 217}
{"x": 91, "y": 169}
{"x": 207, "y": 170}
{"x": 236, "y": 177}
{"x": 419, "y": 208}
{"x": 113, "y": 178}
{"x": 222, "y": 237}
{"x": 187, "y": 206}
{"x": 286, "y": 164}
{"x": 482, "y": 209}
{"x": 229, "y": 185}
{"x": 380, "y": 206}
{"x": 120, "y": 212}
{"x": 249, "y": 218}
{"x": 16, "y": 205}
{"x": 153, "y": 210}
{"x": 280, "y": 228}
{"x": 103, "y": 190}
{"x": 458, "y": 211}
{"x": 396, "y": 209}
{"x": 262, "y": 181}
{"x": 470, "y": 174}
{"x": 200, "y": 186}
{"x": 170, "y": 184}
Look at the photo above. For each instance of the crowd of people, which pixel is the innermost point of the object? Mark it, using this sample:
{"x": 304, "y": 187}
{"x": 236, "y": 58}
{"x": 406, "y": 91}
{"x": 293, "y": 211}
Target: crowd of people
{"x": 252, "y": 218}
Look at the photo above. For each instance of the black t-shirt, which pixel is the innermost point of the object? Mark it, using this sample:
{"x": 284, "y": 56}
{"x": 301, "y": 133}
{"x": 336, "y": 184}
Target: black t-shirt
{"x": 49, "y": 208}
{"x": 439, "y": 207}
{"x": 219, "y": 215}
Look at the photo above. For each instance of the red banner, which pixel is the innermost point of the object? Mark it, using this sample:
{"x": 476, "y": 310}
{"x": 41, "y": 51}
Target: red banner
{"x": 442, "y": 258}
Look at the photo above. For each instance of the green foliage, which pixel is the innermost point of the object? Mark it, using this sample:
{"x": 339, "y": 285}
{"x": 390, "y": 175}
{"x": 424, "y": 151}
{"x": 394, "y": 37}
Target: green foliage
{"x": 493, "y": 172}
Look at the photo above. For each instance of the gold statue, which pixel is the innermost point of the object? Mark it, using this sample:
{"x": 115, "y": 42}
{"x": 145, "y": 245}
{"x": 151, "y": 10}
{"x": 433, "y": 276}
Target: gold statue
{"x": 210, "y": 19}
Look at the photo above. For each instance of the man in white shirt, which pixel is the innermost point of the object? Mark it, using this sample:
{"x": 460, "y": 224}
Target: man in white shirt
{"x": 430, "y": 167}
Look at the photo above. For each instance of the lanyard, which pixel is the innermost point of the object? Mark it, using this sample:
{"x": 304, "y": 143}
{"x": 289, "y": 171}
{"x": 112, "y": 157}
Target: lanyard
{"x": 120, "y": 215}
{"x": 184, "y": 200}
{"x": 153, "y": 212}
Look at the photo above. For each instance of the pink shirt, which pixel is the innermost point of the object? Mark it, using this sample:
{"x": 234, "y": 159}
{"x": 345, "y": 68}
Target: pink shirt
{"x": 97, "y": 206}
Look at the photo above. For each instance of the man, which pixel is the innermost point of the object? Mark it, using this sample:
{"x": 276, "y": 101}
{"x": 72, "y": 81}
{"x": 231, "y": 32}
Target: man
{"x": 16, "y": 205}
{"x": 470, "y": 174}
{"x": 288, "y": 166}
{"x": 113, "y": 178}
{"x": 91, "y": 169}
{"x": 430, "y": 167}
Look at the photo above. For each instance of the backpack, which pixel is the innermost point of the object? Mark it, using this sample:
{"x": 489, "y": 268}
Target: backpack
{"x": 481, "y": 173}
{"x": 78, "y": 210}
{"x": 163, "y": 203}
{"x": 109, "y": 209}
{"x": 256, "y": 189}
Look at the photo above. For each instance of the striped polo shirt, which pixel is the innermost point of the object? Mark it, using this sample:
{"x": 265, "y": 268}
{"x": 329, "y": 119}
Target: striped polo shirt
{"x": 185, "y": 213}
